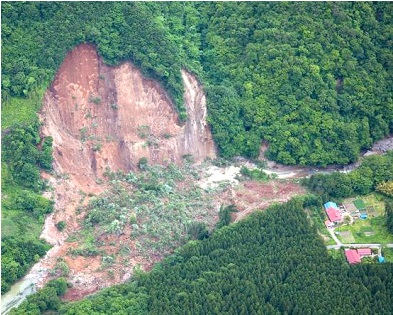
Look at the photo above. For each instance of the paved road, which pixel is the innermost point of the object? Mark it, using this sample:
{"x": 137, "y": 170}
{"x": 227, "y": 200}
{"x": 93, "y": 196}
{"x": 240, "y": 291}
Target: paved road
{"x": 334, "y": 237}
{"x": 339, "y": 244}
{"x": 358, "y": 246}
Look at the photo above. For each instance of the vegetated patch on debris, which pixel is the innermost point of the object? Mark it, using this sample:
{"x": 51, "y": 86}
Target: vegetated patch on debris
{"x": 151, "y": 212}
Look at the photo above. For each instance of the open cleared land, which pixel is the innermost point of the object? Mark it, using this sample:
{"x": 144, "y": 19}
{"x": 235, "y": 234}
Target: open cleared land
{"x": 19, "y": 110}
{"x": 371, "y": 230}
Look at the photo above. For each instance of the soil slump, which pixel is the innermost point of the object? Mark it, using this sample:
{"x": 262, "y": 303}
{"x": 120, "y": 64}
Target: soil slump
{"x": 100, "y": 118}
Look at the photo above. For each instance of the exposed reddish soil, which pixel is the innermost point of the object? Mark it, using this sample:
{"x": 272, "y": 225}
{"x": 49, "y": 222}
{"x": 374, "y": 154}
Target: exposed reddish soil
{"x": 104, "y": 117}
{"x": 109, "y": 117}
{"x": 252, "y": 195}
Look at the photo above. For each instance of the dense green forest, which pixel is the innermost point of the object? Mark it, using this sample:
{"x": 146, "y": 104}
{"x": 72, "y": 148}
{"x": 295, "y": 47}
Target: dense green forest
{"x": 313, "y": 80}
{"x": 24, "y": 153}
{"x": 273, "y": 262}
{"x": 372, "y": 173}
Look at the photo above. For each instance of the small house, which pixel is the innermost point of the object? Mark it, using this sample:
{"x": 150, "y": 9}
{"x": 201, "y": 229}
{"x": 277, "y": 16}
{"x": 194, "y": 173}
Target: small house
{"x": 352, "y": 256}
{"x": 329, "y": 224}
{"x": 334, "y": 215}
{"x": 363, "y": 252}
{"x": 333, "y": 212}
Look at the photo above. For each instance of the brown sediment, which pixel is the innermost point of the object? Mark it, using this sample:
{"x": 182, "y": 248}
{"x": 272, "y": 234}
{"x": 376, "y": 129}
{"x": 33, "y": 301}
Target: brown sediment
{"x": 100, "y": 118}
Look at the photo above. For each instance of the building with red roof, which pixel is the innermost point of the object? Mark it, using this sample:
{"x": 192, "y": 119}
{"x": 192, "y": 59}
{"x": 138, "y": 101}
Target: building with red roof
{"x": 352, "y": 256}
{"x": 329, "y": 224}
{"x": 334, "y": 215}
{"x": 364, "y": 252}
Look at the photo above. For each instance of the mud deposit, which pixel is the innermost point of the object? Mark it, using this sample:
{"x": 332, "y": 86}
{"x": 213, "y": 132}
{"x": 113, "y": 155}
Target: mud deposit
{"x": 107, "y": 118}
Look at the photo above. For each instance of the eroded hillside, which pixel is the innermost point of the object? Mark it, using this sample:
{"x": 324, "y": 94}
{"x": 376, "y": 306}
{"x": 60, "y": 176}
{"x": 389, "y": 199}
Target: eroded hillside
{"x": 106, "y": 118}
{"x": 109, "y": 117}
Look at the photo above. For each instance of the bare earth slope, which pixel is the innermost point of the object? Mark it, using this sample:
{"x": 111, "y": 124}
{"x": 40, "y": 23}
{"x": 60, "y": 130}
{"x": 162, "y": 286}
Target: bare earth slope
{"x": 103, "y": 116}
{"x": 100, "y": 118}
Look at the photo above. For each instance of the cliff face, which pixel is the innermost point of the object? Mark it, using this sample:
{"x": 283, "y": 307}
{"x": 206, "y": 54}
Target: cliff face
{"x": 102, "y": 116}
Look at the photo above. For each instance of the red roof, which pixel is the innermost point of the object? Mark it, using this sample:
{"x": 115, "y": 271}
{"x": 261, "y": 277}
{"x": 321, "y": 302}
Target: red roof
{"x": 333, "y": 214}
{"x": 352, "y": 256}
{"x": 364, "y": 251}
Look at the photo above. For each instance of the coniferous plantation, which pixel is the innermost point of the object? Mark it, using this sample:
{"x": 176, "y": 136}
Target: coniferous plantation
{"x": 312, "y": 80}
{"x": 271, "y": 263}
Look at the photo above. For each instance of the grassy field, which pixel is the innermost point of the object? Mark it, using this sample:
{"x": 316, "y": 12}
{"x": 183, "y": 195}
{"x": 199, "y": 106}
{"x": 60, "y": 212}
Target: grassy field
{"x": 373, "y": 227}
{"x": 20, "y": 110}
{"x": 346, "y": 237}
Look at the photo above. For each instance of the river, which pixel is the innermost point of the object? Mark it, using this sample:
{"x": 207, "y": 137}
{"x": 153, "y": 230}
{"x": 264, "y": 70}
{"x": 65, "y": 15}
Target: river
{"x": 18, "y": 293}
{"x": 27, "y": 285}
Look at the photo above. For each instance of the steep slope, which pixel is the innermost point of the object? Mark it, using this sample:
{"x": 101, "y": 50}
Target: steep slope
{"x": 107, "y": 118}
{"x": 101, "y": 116}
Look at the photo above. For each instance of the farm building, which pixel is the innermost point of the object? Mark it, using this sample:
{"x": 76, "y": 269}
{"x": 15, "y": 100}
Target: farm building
{"x": 352, "y": 256}
{"x": 363, "y": 252}
{"x": 329, "y": 224}
{"x": 330, "y": 204}
{"x": 334, "y": 215}
{"x": 332, "y": 212}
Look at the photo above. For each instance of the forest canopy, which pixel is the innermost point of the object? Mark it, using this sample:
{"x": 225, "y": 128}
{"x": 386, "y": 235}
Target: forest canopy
{"x": 273, "y": 262}
{"x": 312, "y": 79}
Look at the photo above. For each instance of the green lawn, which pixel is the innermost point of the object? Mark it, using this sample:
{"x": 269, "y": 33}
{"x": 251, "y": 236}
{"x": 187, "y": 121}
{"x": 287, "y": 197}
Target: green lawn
{"x": 359, "y": 204}
{"x": 374, "y": 225}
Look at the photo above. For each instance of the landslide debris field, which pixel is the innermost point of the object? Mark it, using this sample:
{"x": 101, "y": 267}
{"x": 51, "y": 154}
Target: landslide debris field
{"x": 130, "y": 182}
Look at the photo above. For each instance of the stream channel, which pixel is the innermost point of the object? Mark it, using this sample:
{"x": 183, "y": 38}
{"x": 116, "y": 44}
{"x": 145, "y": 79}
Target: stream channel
{"x": 28, "y": 284}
